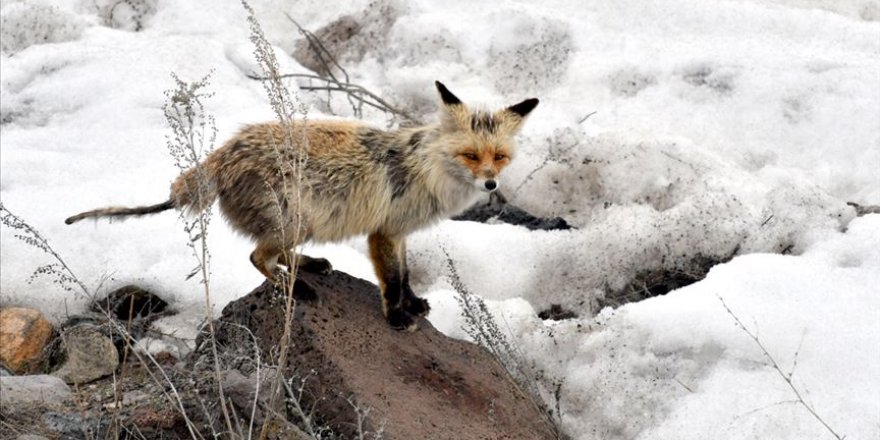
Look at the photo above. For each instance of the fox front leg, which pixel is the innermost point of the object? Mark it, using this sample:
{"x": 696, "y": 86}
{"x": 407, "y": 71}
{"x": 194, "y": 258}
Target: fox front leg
{"x": 411, "y": 303}
{"x": 385, "y": 252}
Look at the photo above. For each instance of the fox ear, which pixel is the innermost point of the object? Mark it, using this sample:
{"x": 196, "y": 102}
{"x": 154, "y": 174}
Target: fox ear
{"x": 515, "y": 115}
{"x": 454, "y": 115}
{"x": 445, "y": 95}
{"x": 524, "y": 108}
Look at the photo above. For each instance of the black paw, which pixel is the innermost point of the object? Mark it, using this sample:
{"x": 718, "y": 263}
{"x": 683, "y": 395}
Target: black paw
{"x": 399, "y": 319}
{"x": 416, "y": 306}
{"x": 316, "y": 265}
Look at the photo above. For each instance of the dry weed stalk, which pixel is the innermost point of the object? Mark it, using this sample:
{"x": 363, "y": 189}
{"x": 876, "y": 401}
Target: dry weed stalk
{"x": 787, "y": 377}
{"x": 193, "y": 135}
{"x": 66, "y": 279}
{"x": 480, "y": 325}
{"x": 290, "y": 161}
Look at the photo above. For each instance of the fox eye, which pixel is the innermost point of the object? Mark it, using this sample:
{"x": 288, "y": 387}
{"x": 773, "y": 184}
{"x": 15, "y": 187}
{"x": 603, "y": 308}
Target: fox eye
{"x": 469, "y": 156}
{"x": 499, "y": 156}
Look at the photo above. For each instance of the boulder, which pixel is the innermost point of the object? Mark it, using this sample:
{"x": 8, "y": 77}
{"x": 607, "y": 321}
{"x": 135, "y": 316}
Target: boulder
{"x": 347, "y": 39}
{"x": 24, "y": 334}
{"x": 89, "y": 354}
{"x": 350, "y": 365}
{"x": 29, "y": 392}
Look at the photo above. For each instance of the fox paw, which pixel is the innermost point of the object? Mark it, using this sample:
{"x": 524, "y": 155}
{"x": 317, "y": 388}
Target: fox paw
{"x": 416, "y": 306}
{"x": 315, "y": 265}
{"x": 399, "y": 319}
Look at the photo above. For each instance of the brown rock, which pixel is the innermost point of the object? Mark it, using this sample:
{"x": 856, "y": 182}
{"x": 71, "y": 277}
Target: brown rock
{"x": 24, "y": 333}
{"x": 347, "y": 39}
{"x": 413, "y": 385}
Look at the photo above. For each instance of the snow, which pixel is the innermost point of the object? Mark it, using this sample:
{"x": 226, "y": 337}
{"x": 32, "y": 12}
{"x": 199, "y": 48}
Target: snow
{"x": 667, "y": 131}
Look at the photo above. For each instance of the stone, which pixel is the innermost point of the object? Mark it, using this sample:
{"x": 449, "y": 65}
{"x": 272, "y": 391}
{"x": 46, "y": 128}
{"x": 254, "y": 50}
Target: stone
{"x": 76, "y": 426}
{"x": 242, "y": 391}
{"x": 24, "y": 334}
{"x": 498, "y": 211}
{"x": 130, "y": 302}
{"x": 346, "y": 39}
{"x": 352, "y": 365}
{"x": 89, "y": 354}
{"x": 29, "y": 392}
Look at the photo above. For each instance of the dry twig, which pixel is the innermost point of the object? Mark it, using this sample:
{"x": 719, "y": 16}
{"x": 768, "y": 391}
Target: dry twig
{"x": 786, "y": 377}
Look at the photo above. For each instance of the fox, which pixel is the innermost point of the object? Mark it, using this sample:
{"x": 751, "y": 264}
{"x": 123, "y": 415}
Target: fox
{"x": 355, "y": 180}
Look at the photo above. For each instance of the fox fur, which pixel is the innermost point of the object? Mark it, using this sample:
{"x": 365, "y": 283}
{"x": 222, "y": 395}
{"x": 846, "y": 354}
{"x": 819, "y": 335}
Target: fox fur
{"x": 355, "y": 180}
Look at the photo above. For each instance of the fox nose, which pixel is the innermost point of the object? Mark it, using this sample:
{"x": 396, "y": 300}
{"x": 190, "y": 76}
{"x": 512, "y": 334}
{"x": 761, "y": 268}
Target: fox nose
{"x": 491, "y": 185}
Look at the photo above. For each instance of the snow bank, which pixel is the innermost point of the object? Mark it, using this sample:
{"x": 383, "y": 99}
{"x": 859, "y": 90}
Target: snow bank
{"x": 667, "y": 131}
{"x": 678, "y": 366}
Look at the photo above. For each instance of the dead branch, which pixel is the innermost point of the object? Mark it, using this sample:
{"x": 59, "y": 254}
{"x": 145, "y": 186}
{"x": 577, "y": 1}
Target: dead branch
{"x": 786, "y": 377}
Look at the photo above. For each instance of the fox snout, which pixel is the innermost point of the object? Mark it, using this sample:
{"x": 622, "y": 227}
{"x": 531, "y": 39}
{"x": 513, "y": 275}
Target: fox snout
{"x": 486, "y": 184}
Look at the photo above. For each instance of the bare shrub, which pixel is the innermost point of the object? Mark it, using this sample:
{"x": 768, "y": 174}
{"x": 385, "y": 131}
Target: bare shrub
{"x": 542, "y": 391}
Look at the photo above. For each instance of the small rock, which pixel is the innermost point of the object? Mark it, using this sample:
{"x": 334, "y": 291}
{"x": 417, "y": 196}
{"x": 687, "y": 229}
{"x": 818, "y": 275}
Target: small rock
{"x": 4, "y": 372}
{"x": 74, "y": 426}
{"x": 24, "y": 333}
{"x": 25, "y": 392}
{"x": 130, "y": 302}
{"x": 557, "y": 313}
{"x": 156, "y": 418}
{"x": 129, "y": 399}
{"x": 278, "y": 429}
{"x": 242, "y": 390}
{"x": 89, "y": 353}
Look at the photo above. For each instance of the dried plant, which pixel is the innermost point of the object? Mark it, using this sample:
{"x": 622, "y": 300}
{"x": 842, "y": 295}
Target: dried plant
{"x": 787, "y": 377}
{"x": 481, "y": 326}
{"x": 193, "y": 135}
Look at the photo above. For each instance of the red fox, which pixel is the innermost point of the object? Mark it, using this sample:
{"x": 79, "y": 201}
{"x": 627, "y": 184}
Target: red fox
{"x": 355, "y": 180}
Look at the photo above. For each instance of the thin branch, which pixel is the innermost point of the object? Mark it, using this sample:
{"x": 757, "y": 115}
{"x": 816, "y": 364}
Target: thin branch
{"x": 775, "y": 365}
{"x": 581, "y": 120}
{"x": 354, "y": 90}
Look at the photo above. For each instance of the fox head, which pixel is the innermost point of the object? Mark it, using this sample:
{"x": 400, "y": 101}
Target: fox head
{"x": 478, "y": 144}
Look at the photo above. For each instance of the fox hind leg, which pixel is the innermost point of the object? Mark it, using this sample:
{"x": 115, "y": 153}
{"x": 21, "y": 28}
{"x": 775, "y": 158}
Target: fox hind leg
{"x": 309, "y": 264}
{"x": 265, "y": 258}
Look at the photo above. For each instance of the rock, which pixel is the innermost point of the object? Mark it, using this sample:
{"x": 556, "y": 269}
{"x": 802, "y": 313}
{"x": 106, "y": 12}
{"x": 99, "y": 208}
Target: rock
{"x": 241, "y": 391}
{"x": 283, "y": 430}
{"x": 557, "y": 313}
{"x": 24, "y": 333}
{"x": 864, "y": 209}
{"x": 507, "y": 213}
{"x": 347, "y": 39}
{"x": 28, "y": 392}
{"x": 155, "y": 422}
{"x": 89, "y": 354}
{"x": 414, "y": 385}
{"x": 4, "y": 372}
{"x": 130, "y": 302}
{"x": 70, "y": 426}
